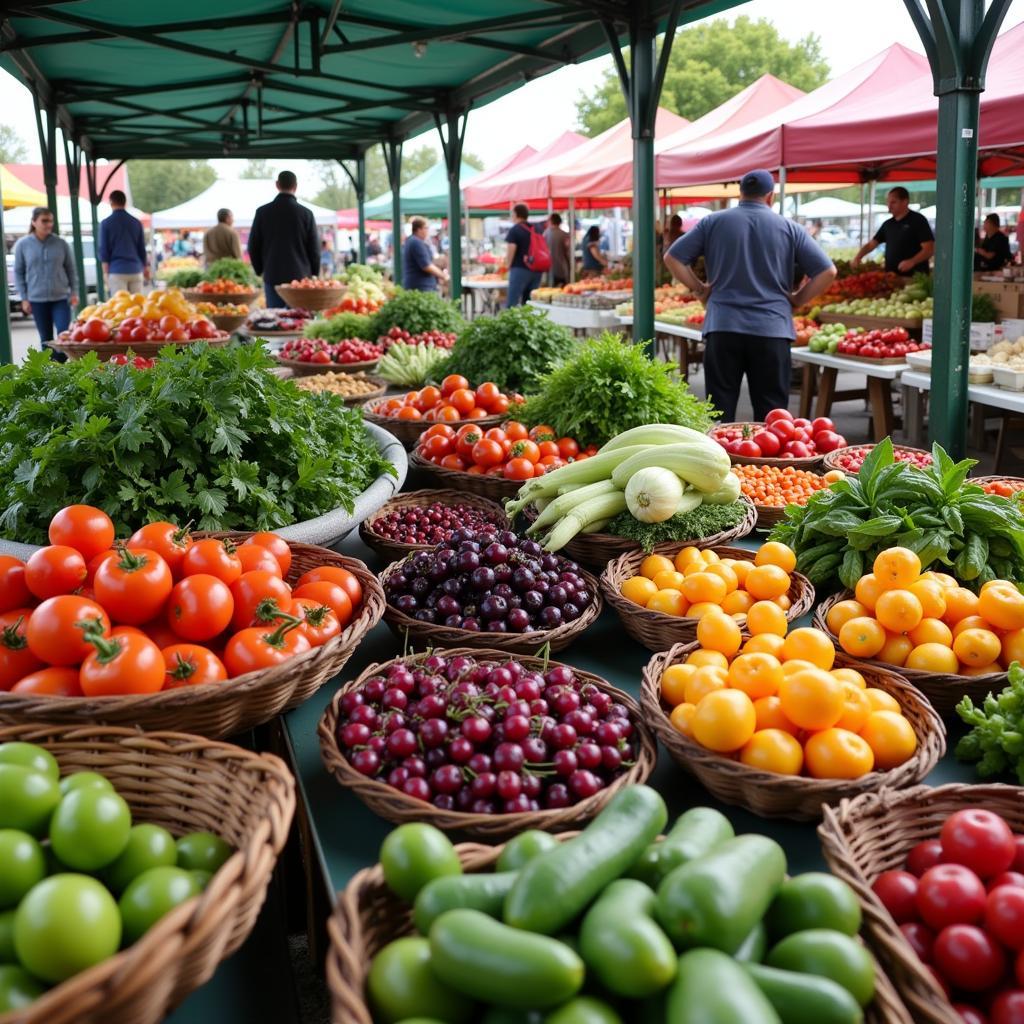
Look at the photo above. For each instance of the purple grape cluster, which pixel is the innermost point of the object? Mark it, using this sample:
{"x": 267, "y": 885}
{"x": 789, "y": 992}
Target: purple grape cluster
{"x": 485, "y": 736}
{"x": 490, "y": 582}
{"x": 431, "y": 524}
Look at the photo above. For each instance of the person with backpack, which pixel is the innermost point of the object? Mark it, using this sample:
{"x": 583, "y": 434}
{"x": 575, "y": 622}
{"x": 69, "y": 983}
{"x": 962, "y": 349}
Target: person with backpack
{"x": 526, "y": 257}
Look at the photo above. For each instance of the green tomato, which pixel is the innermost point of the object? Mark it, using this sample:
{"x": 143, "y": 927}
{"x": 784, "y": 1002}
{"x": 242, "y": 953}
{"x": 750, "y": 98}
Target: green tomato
{"x": 28, "y": 755}
{"x": 415, "y": 854}
{"x": 151, "y": 895}
{"x": 64, "y": 925}
{"x": 17, "y": 988}
{"x": 7, "y": 954}
{"x": 90, "y": 829}
{"x": 202, "y": 851}
{"x": 814, "y": 900}
{"x": 149, "y": 846}
{"x": 27, "y": 799}
{"x": 22, "y": 865}
{"x": 523, "y": 848}
{"x": 830, "y": 954}
{"x": 583, "y": 1010}
{"x": 401, "y": 984}
{"x": 202, "y": 878}
{"x": 84, "y": 780}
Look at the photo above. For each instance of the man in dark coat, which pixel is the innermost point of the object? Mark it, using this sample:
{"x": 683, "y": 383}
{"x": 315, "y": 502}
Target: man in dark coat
{"x": 284, "y": 243}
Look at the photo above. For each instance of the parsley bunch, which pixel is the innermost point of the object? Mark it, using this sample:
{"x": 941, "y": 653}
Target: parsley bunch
{"x": 996, "y": 739}
{"x": 207, "y": 435}
{"x": 417, "y": 312}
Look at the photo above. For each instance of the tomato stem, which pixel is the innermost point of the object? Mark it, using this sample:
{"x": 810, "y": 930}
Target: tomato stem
{"x": 183, "y": 669}
{"x": 276, "y": 639}
{"x": 268, "y": 611}
{"x": 316, "y": 616}
{"x": 107, "y": 647}
{"x": 12, "y": 638}
{"x": 131, "y": 561}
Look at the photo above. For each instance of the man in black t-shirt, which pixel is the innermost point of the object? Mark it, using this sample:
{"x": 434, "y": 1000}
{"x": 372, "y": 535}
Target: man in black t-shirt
{"x": 907, "y": 236}
{"x": 993, "y": 251}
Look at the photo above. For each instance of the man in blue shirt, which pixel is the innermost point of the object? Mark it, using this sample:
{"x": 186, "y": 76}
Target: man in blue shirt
{"x": 750, "y": 253}
{"x": 419, "y": 272}
{"x": 123, "y": 248}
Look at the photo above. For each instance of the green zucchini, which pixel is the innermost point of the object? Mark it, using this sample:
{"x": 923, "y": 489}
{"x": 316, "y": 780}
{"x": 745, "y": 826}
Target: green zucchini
{"x": 806, "y": 998}
{"x": 483, "y": 892}
{"x": 752, "y": 949}
{"x": 711, "y": 988}
{"x": 523, "y": 848}
{"x": 696, "y": 832}
{"x": 583, "y": 1010}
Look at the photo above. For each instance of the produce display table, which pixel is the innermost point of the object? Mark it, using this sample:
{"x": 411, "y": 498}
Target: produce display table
{"x": 577, "y": 318}
{"x": 879, "y": 381}
{"x": 491, "y": 294}
{"x": 873, "y": 323}
{"x": 674, "y": 341}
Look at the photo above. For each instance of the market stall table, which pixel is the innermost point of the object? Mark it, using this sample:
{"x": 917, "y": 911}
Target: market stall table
{"x": 578, "y": 318}
{"x": 686, "y": 350}
{"x": 491, "y": 294}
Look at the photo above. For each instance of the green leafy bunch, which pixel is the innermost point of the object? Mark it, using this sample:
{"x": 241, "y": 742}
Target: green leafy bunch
{"x": 230, "y": 269}
{"x": 417, "y": 312}
{"x": 513, "y": 349}
{"x": 703, "y": 521}
{"x": 207, "y": 435}
{"x": 934, "y": 511}
{"x": 996, "y": 737}
{"x": 341, "y": 325}
{"x": 189, "y": 277}
{"x": 607, "y": 385}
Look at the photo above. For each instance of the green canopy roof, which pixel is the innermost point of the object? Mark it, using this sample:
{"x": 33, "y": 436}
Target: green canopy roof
{"x": 426, "y": 194}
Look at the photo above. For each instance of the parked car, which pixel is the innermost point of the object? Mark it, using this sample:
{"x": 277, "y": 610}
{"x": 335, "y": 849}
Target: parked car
{"x": 89, "y": 258}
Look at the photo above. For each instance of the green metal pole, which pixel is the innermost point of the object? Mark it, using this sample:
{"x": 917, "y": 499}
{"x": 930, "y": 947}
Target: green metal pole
{"x": 393, "y": 159}
{"x": 73, "y": 162}
{"x": 50, "y": 165}
{"x": 361, "y": 203}
{"x": 452, "y": 147}
{"x": 90, "y": 173}
{"x": 643, "y": 100}
{"x": 6, "y": 347}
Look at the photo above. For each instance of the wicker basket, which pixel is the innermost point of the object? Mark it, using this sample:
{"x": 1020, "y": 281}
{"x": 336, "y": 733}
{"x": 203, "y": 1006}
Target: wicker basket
{"x": 219, "y": 298}
{"x": 409, "y": 431}
{"x": 942, "y": 689}
{"x": 302, "y": 369}
{"x": 393, "y": 805}
{"x": 393, "y": 550}
{"x": 182, "y": 783}
{"x": 497, "y": 488}
{"x": 1016, "y": 482}
{"x": 809, "y": 463}
{"x": 369, "y": 916}
{"x": 228, "y": 322}
{"x": 790, "y": 796}
{"x": 222, "y": 709}
{"x": 428, "y": 634}
{"x": 598, "y": 549}
{"x": 380, "y": 385}
{"x": 146, "y": 349}
{"x": 658, "y": 631}
{"x": 831, "y": 460}
{"x": 873, "y": 833}
{"x": 311, "y": 298}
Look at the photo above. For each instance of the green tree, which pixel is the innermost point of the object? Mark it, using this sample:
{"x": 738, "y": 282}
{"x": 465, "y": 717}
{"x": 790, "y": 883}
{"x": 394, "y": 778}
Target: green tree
{"x": 159, "y": 184}
{"x": 12, "y": 146}
{"x": 260, "y": 169}
{"x": 709, "y": 64}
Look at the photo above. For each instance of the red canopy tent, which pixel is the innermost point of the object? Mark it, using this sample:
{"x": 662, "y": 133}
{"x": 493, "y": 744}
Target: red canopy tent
{"x": 32, "y": 174}
{"x": 520, "y": 156}
{"x": 348, "y": 220}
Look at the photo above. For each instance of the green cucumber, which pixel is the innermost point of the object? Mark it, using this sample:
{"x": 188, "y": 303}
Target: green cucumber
{"x": 752, "y": 949}
{"x": 711, "y": 988}
{"x": 806, "y": 998}
{"x": 487, "y": 960}
{"x": 621, "y": 944}
{"x": 401, "y": 984}
{"x": 828, "y": 954}
{"x": 815, "y": 899}
{"x": 555, "y": 887}
{"x": 696, "y": 832}
{"x": 717, "y": 899}
{"x": 523, "y": 848}
{"x": 483, "y": 892}
{"x": 583, "y": 1010}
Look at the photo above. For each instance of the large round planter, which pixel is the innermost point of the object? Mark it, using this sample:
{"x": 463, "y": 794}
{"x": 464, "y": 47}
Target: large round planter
{"x": 332, "y": 527}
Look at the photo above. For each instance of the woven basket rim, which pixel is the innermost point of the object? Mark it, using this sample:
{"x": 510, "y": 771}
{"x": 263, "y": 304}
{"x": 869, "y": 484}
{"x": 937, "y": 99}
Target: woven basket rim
{"x": 496, "y": 487}
{"x": 831, "y": 457}
{"x": 313, "y": 368}
{"x": 379, "y": 392}
{"x": 808, "y": 462}
{"x": 194, "y": 295}
{"x": 994, "y": 478}
{"x": 488, "y": 824}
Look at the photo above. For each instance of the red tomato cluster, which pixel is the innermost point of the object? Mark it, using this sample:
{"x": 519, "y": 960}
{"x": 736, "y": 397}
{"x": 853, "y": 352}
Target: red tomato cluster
{"x": 853, "y": 458}
{"x": 960, "y": 905}
{"x": 353, "y": 304}
{"x": 313, "y": 282}
{"x": 454, "y": 400}
{"x": 1004, "y": 488}
{"x": 86, "y": 617}
{"x": 869, "y": 284}
{"x": 317, "y": 350}
{"x": 890, "y": 343}
{"x": 222, "y": 286}
{"x": 781, "y": 437}
{"x": 510, "y": 451}
{"x": 135, "y": 328}
{"x": 136, "y": 362}
{"x": 439, "y": 339}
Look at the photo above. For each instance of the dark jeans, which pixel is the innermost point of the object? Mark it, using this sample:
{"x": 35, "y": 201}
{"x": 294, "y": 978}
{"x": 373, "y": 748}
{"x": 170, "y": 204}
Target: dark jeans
{"x": 765, "y": 361}
{"x": 273, "y": 300}
{"x": 520, "y": 283}
{"x": 51, "y": 318}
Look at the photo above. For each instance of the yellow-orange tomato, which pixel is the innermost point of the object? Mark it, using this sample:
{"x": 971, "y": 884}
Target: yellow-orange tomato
{"x": 700, "y": 608}
{"x": 790, "y": 668}
{"x": 766, "y": 617}
{"x": 868, "y": 590}
{"x": 850, "y": 675}
{"x": 741, "y": 569}
{"x": 728, "y": 577}
{"x": 653, "y": 564}
{"x": 856, "y": 708}
{"x": 716, "y": 631}
{"x": 673, "y": 683}
{"x": 783, "y": 602}
{"x": 701, "y": 657}
{"x": 932, "y": 596}
{"x": 638, "y": 589}
{"x": 960, "y": 603}
{"x": 981, "y": 670}
{"x": 891, "y": 737}
{"x": 668, "y": 580}
{"x": 812, "y": 699}
{"x": 1002, "y": 606}
{"x": 931, "y": 631}
{"x": 895, "y": 649}
{"x": 739, "y": 602}
{"x": 764, "y": 643}
{"x": 809, "y": 644}
{"x": 682, "y": 718}
{"x": 703, "y": 681}
{"x": 898, "y": 610}
{"x": 685, "y": 556}
{"x": 841, "y": 612}
{"x": 932, "y": 658}
{"x": 880, "y": 700}
{"x": 862, "y": 637}
{"x": 896, "y": 567}
{"x": 769, "y": 714}
{"x": 974, "y": 647}
{"x": 757, "y": 675}
{"x": 1013, "y": 647}
{"x": 837, "y": 754}
{"x": 724, "y": 721}
{"x": 669, "y": 602}
{"x": 943, "y": 579}
{"x": 692, "y": 568}
{"x": 703, "y": 586}
{"x": 774, "y": 553}
{"x": 710, "y": 557}
{"x": 971, "y": 622}
{"x": 773, "y": 750}
{"x": 766, "y": 582}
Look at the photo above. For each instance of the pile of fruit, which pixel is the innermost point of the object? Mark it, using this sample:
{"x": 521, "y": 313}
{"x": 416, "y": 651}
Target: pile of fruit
{"x": 136, "y": 329}
{"x": 959, "y": 902}
{"x": 827, "y": 338}
{"x": 454, "y": 400}
{"x": 78, "y": 880}
{"x": 122, "y": 304}
{"x": 927, "y": 621}
{"x": 363, "y": 299}
{"x": 222, "y": 286}
{"x": 684, "y": 314}
{"x": 697, "y": 582}
{"x": 868, "y": 284}
{"x": 666, "y": 297}
{"x": 82, "y": 617}
{"x": 347, "y": 385}
{"x": 703, "y": 927}
{"x": 439, "y": 339}
{"x": 316, "y": 350}
{"x": 136, "y": 362}
{"x": 777, "y": 702}
{"x": 273, "y": 319}
{"x": 510, "y": 451}
{"x": 805, "y": 330}
{"x": 890, "y": 343}
{"x": 434, "y": 523}
{"x": 895, "y": 307}
{"x": 598, "y": 284}
{"x": 851, "y": 459}
{"x": 779, "y": 486}
{"x": 312, "y": 282}
{"x": 1004, "y": 488}
{"x": 486, "y": 736}
{"x": 500, "y": 277}
{"x": 490, "y": 582}
{"x": 781, "y": 436}
{"x": 222, "y": 309}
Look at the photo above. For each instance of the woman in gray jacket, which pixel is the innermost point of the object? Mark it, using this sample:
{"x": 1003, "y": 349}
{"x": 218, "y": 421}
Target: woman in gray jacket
{"x": 44, "y": 273}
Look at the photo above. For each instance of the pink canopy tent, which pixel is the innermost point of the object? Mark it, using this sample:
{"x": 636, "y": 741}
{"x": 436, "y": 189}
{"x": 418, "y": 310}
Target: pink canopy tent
{"x": 348, "y": 220}
{"x": 520, "y": 156}
{"x": 32, "y": 174}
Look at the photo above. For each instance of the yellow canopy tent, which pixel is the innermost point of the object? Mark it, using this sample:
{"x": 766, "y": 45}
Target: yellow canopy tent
{"x": 16, "y": 193}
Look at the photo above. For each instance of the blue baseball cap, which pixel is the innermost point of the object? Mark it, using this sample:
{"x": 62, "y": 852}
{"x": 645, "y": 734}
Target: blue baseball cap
{"x": 757, "y": 183}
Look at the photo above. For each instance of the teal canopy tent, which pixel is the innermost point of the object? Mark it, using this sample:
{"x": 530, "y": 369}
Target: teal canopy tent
{"x": 426, "y": 194}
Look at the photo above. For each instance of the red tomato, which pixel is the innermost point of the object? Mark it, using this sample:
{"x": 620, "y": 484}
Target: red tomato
{"x": 86, "y": 529}
{"x": 160, "y": 632}
{"x": 568, "y": 448}
{"x": 828, "y": 441}
{"x": 518, "y": 469}
{"x": 213, "y": 558}
{"x": 96, "y": 329}
{"x": 14, "y": 592}
{"x": 169, "y": 323}
{"x": 1008, "y": 1007}
{"x": 16, "y": 658}
{"x": 133, "y": 587}
{"x": 487, "y": 453}
{"x": 190, "y": 665}
{"x": 528, "y": 450}
{"x": 516, "y": 431}
{"x": 255, "y": 556}
{"x": 748, "y": 450}
{"x": 499, "y": 406}
{"x": 978, "y": 839}
{"x": 783, "y": 428}
{"x": 898, "y": 892}
{"x": 94, "y": 564}
{"x": 968, "y": 958}
{"x": 549, "y": 449}
{"x": 319, "y": 623}
{"x": 348, "y": 581}
{"x": 463, "y": 400}
{"x": 1014, "y": 878}
{"x": 276, "y": 545}
{"x": 262, "y": 647}
{"x": 122, "y": 665}
{"x": 820, "y": 424}
{"x": 1004, "y": 916}
{"x": 53, "y": 633}
{"x": 439, "y": 430}
{"x": 200, "y": 607}
{"x": 468, "y": 437}
{"x": 921, "y": 939}
{"x": 778, "y": 414}
{"x": 486, "y": 395}
{"x": 50, "y": 682}
{"x": 970, "y": 1014}
{"x": 950, "y": 894}
{"x": 253, "y": 589}
{"x": 924, "y": 856}
{"x": 453, "y": 462}
{"x": 331, "y": 594}
{"x": 1018, "y": 968}
{"x": 55, "y": 570}
{"x": 768, "y": 442}
{"x": 453, "y": 382}
{"x": 170, "y": 542}
{"x": 437, "y": 447}
{"x": 1018, "y": 844}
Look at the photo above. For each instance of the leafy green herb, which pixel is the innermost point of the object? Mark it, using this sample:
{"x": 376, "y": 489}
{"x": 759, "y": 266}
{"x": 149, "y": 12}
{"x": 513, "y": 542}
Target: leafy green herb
{"x": 341, "y": 325}
{"x": 207, "y": 435}
{"x": 512, "y": 349}
{"x": 608, "y": 385}
{"x": 703, "y": 521}
{"x": 187, "y": 278}
{"x": 417, "y": 312}
{"x": 996, "y": 738}
{"x": 231, "y": 269}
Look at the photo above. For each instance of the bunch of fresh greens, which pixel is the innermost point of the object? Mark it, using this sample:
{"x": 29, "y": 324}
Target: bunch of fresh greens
{"x": 187, "y": 278}
{"x": 983, "y": 308}
{"x": 703, "y": 521}
{"x": 411, "y": 366}
{"x": 996, "y": 738}
{"x": 606, "y": 386}
{"x": 207, "y": 435}
{"x": 417, "y": 312}
{"x": 341, "y": 325}
{"x": 949, "y": 523}
{"x": 230, "y": 269}
{"x": 512, "y": 349}
{"x": 360, "y": 272}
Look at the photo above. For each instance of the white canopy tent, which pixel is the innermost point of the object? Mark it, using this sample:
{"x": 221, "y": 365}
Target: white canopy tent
{"x": 16, "y": 221}
{"x": 832, "y": 206}
{"x": 241, "y": 197}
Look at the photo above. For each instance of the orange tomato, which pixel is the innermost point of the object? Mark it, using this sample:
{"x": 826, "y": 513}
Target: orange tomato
{"x": 809, "y": 644}
{"x": 703, "y": 586}
{"x": 704, "y": 680}
{"x": 684, "y": 556}
{"x": 856, "y": 708}
{"x": 880, "y": 700}
{"x": 757, "y": 675}
{"x": 764, "y": 643}
{"x": 895, "y": 649}
{"x": 837, "y": 754}
{"x": 773, "y": 750}
{"x": 867, "y": 590}
{"x": 670, "y": 580}
{"x": 976, "y": 647}
{"x": 841, "y": 613}
{"x": 767, "y": 581}
{"x": 673, "y": 683}
{"x": 960, "y": 604}
{"x": 898, "y": 610}
{"x": 891, "y": 737}
{"x": 716, "y": 631}
{"x": 932, "y": 596}
{"x": 724, "y": 721}
{"x": 812, "y": 699}
{"x": 668, "y": 602}
{"x": 850, "y": 675}
{"x": 774, "y": 553}
{"x": 1013, "y": 647}
{"x": 682, "y": 718}
{"x": 638, "y": 589}
{"x": 931, "y": 631}
{"x": 653, "y": 564}
{"x": 862, "y": 637}
{"x": 769, "y": 715}
{"x": 896, "y": 567}
{"x": 1003, "y": 606}
{"x": 713, "y": 658}
{"x": 739, "y": 602}
{"x": 727, "y": 576}
{"x": 766, "y": 617}
{"x": 932, "y": 657}
{"x": 971, "y": 622}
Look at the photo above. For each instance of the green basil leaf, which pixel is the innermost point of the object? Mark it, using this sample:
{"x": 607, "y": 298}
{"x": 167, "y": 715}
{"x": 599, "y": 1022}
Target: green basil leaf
{"x": 851, "y": 569}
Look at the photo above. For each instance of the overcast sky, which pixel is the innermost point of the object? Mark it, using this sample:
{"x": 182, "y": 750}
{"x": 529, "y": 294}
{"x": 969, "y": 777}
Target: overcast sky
{"x": 541, "y": 110}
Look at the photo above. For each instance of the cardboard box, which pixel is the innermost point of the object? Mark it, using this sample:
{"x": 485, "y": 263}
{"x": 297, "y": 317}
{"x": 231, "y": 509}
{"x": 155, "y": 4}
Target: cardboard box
{"x": 982, "y": 336}
{"x": 1012, "y": 329}
{"x": 1007, "y": 296}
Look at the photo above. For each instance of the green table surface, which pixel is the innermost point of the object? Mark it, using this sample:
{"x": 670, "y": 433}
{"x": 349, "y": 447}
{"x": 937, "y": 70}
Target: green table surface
{"x": 347, "y": 835}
